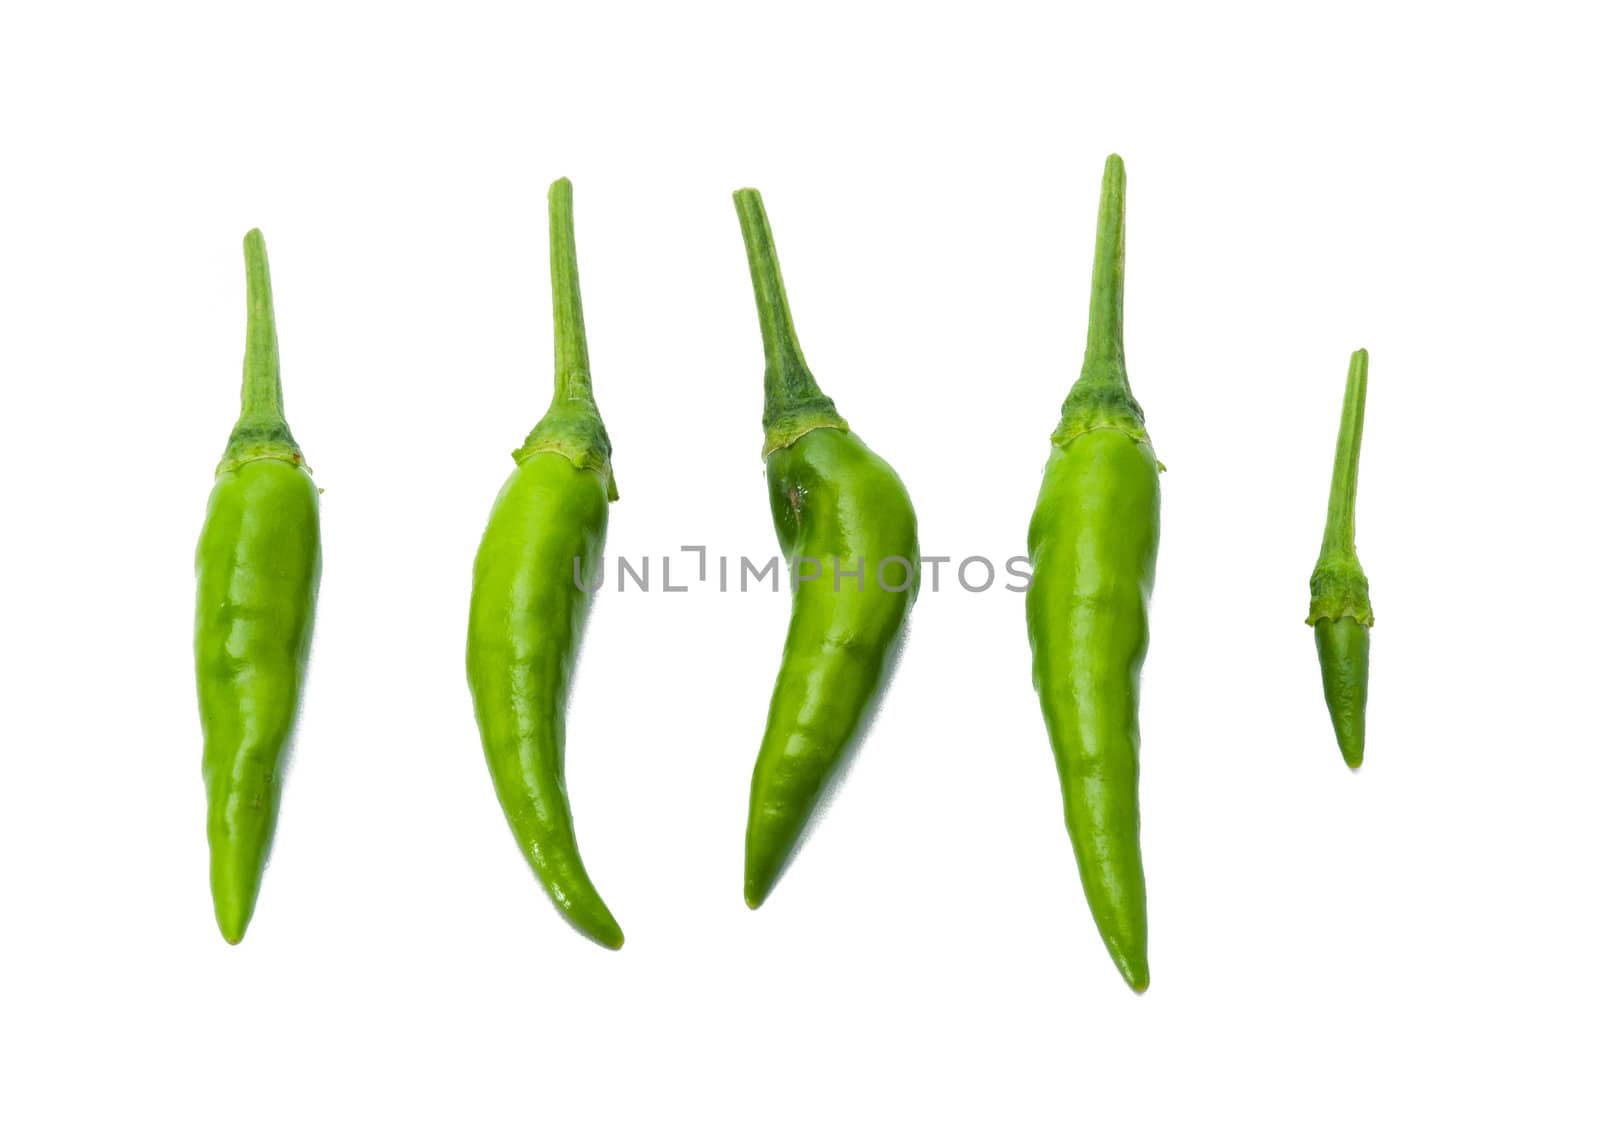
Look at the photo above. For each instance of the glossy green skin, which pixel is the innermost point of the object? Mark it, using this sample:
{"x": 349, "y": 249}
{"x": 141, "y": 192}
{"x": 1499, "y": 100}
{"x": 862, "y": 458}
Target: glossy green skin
{"x": 257, "y": 568}
{"x": 1092, "y": 541}
{"x": 1343, "y": 649}
{"x": 832, "y": 498}
{"x": 524, "y": 632}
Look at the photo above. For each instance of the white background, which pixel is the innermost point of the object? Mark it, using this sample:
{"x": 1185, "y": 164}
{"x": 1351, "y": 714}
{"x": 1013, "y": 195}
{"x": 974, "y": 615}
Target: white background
{"x": 1408, "y": 950}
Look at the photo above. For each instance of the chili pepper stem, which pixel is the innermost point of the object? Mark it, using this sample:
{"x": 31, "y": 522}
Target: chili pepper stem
{"x": 1103, "y": 351}
{"x": 786, "y": 364}
{"x": 261, "y": 432}
{"x": 573, "y": 381}
{"x": 1102, "y": 397}
{"x": 572, "y": 426}
{"x": 794, "y": 402}
{"x": 1339, "y": 535}
{"x": 262, "y": 397}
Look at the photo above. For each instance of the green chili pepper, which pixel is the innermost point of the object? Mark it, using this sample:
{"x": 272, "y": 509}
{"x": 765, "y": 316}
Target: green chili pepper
{"x": 256, "y": 568}
{"x": 846, "y": 527}
{"x": 1341, "y": 610}
{"x": 531, "y": 586}
{"x": 1093, "y": 542}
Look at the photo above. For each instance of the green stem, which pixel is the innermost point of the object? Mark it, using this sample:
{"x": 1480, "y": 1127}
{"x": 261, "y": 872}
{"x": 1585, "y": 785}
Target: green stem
{"x": 572, "y": 344}
{"x": 1339, "y": 536}
{"x": 261, "y": 432}
{"x": 1104, "y": 350}
{"x": 262, "y": 398}
{"x": 572, "y": 425}
{"x": 794, "y": 402}
{"x": 786, "y": 364}
{"x": 1102, "y": 398}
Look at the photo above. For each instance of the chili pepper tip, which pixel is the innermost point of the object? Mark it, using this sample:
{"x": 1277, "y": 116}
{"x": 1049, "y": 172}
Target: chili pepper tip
{"x": 758, "y": 883}
{"x": 233, "y": 917}
{"x": 1136, "y": 973}
{"x": 593, "y": 919}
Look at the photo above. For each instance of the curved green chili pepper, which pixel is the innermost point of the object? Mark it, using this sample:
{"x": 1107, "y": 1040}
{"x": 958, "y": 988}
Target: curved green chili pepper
{"x": 1341, "y": 610}
{"x": 846, "y": 528}
{"x": 1093, "y": 542}
{"x": 546, "y": 535}
{"x": 257, "y": 567}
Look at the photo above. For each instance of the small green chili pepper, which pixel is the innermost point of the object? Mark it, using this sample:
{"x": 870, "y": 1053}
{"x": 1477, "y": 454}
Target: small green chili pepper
{"x": 846, "y": 527}
{"x": 1341, "y": 610}
{"x": 1093, "y": 542}
{"x": 257, "y": 567}
{"x": 531, "y": 586}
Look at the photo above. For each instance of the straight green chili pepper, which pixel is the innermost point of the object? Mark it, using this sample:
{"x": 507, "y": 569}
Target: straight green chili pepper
{"x": 257, "y": 567}
{"x": 846, "y": 527}
{"x": 1092, "y": 541}
{"x": 1341, "y": 610}
{"x": 546, "y": 535}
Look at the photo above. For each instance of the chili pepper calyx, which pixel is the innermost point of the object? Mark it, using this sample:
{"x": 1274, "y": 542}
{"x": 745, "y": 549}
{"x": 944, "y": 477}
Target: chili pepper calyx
{"x": 1100, "y": 411}
{"x": 1339, "y": 589}
{"x": 792, "y": 426}
{"x": 573, "y": 429}
{"x": 252, "y": 444}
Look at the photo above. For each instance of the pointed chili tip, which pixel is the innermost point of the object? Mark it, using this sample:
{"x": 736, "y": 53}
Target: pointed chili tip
{"x": 1132, "y": 959}
{"x": 760, "y": 876}
{"x": 755, "y": 893}
{"x": 766, "y": 856}
{"x": 598, "y": 925}
{"x": 602, "y": 929}
{"x": 1136, "y": 973}
{"x": 233, "y": 918}
{"x": 1352, "y": 760}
